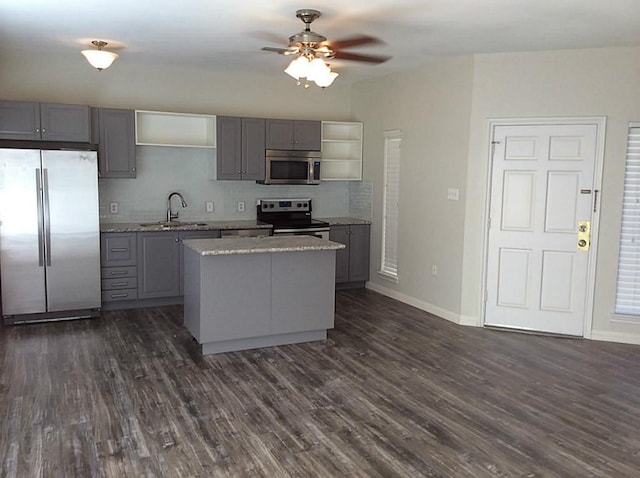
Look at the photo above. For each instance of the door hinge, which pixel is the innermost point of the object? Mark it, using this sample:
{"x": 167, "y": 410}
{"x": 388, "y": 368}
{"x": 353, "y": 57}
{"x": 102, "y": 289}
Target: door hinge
{"x": 595, "y": 200}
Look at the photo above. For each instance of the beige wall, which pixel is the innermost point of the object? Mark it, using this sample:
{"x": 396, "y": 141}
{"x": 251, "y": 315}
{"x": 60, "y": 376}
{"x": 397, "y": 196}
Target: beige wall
{"x": 601, "y": 82}
{"x": 443, "y": 109}
{"x": 431, "y": 105}
{"x": 39, "y": 77}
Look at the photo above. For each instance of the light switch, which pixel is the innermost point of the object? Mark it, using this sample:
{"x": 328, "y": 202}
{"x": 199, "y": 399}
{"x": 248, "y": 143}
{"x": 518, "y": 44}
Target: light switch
{"x": 209, "y": 205}
{"x": 453, "y": 194}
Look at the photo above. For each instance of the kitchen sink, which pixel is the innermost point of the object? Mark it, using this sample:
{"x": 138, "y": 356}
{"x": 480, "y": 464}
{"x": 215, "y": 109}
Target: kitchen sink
{"x": 168, "y": 225}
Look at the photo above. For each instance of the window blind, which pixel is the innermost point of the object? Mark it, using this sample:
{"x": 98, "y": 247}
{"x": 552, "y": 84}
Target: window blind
{"x": 391, "y": 198}
{"x": 628, "y": 288}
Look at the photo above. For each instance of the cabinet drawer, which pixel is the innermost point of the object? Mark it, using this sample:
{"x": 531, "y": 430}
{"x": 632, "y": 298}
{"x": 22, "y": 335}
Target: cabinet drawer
{"x": 122, "y": 283}
{"x": 118, "y": 249}
{"x": 116, "y": 295}
{"x": 118, "y": 272}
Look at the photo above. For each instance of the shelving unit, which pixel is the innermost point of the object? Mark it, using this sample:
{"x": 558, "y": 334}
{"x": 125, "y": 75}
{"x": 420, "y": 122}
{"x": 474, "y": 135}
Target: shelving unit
{"x": 156, "y": 128}
{"x": 341, "y": 151}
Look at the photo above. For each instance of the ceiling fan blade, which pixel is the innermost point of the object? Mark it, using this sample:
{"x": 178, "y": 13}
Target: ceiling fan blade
{"x": 282, "y": 51}
{"x": 269, "y": 37}
{"x": 351, "y": 42}
{"x": 343, "y": 55}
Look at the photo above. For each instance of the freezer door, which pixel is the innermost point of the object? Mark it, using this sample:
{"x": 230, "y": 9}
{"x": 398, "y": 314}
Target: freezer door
{"x": 21, "y": 238}
{"x": 72, "y": 230}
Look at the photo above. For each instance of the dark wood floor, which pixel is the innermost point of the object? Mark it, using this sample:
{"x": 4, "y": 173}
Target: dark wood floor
{"x": 393, "y": 392}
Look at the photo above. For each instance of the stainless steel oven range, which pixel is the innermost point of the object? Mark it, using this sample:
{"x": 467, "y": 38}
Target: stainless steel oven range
{"x": 291, "y": 217}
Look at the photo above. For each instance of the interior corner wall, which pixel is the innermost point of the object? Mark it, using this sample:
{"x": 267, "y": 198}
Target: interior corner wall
{"x": 33, "y": 76}
{"x": 431, "y": 105}
{"x": 594, "y": 82}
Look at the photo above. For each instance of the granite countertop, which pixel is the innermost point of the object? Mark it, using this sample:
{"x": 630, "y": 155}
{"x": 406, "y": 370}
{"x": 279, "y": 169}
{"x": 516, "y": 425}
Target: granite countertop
{"x": 343, "y": 221}
{"x": 258, "y": 245}
{"x": 178, "y": 226}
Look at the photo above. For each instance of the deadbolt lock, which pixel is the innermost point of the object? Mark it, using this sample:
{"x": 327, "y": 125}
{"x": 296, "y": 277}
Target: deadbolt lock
{"x": 584, "y": 235}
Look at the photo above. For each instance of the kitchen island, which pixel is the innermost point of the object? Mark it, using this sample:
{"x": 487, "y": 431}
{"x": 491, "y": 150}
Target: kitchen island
{"x": 258, "y": 292}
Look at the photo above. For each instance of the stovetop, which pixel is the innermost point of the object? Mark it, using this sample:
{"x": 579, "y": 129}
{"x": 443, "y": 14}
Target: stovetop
{"x": 288, "y": 213}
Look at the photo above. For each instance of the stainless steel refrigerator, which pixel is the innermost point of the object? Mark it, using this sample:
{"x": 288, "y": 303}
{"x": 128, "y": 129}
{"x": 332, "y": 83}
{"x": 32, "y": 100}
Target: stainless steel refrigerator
{"x": 49, "y": 234}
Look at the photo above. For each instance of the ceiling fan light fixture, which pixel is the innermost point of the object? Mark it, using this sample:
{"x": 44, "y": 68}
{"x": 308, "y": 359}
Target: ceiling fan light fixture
{"x": 317, "y": 68}
{"x": 298, "y": 68}
{"x": 326, "y": 80}
{"x": 99, "y": 59}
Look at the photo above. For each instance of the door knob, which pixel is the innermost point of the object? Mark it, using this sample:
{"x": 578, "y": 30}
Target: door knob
{"x": 584, "y": 235}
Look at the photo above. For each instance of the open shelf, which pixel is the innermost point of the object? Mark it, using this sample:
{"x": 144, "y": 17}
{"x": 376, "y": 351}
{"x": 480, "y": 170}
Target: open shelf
{"x": 157, "y": 128}
{"x": 341, "y": 151}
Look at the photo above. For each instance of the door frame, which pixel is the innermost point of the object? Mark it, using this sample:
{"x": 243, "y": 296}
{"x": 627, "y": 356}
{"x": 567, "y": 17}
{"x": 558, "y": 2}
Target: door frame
{"x": 600, "y": 122}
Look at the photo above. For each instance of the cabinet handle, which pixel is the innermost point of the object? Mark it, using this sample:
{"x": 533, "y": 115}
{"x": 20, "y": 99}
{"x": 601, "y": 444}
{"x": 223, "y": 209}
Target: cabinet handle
{"x": 118, "y": 273}
{"x": 37, "y": 130}
{"x": 133, "y": 169}
{"x": 119, "y": 284}
{"x": 44, "y": 130}
{"x": 119, "y": 296}
{"x": 119, "y": 249}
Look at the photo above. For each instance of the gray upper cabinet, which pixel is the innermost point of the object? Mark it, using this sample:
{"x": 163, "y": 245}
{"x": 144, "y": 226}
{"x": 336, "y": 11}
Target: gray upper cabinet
{"x": 114, "y": 131}
{"x": 352, "y": 263}
{"x": 293, "y": 134}
{"x": 45, "y": 121}
{"x": 240, "y": 148}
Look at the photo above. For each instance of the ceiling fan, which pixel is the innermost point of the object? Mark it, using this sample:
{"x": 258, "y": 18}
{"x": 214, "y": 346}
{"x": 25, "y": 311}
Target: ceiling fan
{"x": 313, "y": 50}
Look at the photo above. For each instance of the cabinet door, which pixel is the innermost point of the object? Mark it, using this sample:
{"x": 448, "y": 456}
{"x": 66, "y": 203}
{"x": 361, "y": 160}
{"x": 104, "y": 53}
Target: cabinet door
{"x": 19, "y": 120}
{"x": 253, "y": 146}
{"x": 158, "y": 264}
{"x": 192, "y": 235}
{"x": 307, "y": 135}
{"x": 358, "y": 253}
{"x": 65, "y": 122}
{"x": 229, "y": 147}
{"x": 279, "y": 134}
{"x": 341, "y": 234}
{"x": 117, "y": 146}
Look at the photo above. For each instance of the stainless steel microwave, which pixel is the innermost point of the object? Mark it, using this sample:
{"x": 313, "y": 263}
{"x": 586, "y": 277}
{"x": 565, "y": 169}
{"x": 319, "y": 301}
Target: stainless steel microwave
{"x": 292, "y": 167}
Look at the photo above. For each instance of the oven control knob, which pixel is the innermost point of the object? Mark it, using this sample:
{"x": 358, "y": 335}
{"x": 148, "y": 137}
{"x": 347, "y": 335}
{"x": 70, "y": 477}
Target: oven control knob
{"x": 299, "y": 205}
{"x": 271, "y": 205}
{"x": 306, "y": 205}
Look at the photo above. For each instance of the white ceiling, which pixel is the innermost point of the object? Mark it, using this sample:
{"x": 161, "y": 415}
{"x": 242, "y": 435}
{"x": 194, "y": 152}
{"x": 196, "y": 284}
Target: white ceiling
{"x": 228, "y": 34}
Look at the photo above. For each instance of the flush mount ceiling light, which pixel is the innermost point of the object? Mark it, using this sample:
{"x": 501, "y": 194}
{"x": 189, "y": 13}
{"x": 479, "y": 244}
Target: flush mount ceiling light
{"x": 312, "y": 50}
{"x": 100, "y": 59}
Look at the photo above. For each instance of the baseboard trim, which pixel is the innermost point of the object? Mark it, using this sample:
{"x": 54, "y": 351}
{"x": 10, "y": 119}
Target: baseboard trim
{"x": 419, "y": 304}
{"x": 619, "y": 337}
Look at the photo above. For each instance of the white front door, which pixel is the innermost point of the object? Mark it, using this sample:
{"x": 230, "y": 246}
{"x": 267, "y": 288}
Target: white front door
{"x": 542, "y": 188}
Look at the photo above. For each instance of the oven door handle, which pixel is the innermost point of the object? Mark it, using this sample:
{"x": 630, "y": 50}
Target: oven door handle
{"x": 288, "y": 231}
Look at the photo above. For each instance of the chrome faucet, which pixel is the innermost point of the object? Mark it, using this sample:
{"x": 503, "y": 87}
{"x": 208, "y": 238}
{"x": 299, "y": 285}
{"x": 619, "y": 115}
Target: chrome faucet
{"x": 171, "y": 215}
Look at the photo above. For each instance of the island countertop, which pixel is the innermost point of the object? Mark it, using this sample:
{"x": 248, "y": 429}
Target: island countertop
{"x": 260, "y": 245}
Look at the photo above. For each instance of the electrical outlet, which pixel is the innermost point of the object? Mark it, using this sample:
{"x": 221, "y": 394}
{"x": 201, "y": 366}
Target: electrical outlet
{"x": 434, "y": 270}
{"x": 240, "y": 206}
{"x": 113, "y": 208}
{"x": 453, "y": 194}
{"x": 209, "y": 205}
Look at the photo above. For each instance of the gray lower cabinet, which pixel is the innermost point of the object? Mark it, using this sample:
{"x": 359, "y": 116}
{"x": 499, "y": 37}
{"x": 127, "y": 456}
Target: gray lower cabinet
{"x": 161, "y": 261}
{"x": 240, "y": 148}
{"x": 352, "y": 263}
{"x": 158, "y": 264}
{"x": 114, "y": 131}
{"x": 293, "y": 134}
{"x": 23, "y": 120}
{"x": 119, "y": 267}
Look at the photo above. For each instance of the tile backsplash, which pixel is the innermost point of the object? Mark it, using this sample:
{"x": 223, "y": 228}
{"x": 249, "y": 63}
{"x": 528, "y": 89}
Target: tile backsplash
{"x": 162, "y": 170}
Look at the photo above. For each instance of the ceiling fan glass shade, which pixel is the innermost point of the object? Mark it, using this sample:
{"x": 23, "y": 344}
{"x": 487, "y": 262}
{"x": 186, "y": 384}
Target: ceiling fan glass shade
{"x": 326, "y": 80}
{"x": 317, "y": 68}
{"x": 298, "y": 68}
{"x": 100, "y": 59}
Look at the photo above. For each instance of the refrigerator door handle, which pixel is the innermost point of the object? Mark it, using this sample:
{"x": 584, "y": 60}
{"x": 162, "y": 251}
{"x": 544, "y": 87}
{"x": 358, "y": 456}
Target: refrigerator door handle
{"x": 40, "y": 218}
{"x": 47, "y": 216}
